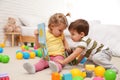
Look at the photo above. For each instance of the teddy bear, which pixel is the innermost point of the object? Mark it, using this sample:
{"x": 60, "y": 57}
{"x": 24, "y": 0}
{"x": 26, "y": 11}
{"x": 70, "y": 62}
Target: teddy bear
{"x": 12, "y": 27}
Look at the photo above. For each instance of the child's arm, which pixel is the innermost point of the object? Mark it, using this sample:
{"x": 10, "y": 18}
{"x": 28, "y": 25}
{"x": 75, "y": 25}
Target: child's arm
{"x": 75, "y": 53}
{"x": 37, "y": 44}
{"x": 66, "y": 44}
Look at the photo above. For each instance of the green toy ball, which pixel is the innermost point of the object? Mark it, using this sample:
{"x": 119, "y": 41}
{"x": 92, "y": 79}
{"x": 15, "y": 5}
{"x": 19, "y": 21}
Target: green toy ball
{"x": 26, "y": 47}
{"x": 78, "y": 78}
{"x": 110, "y": 75}
{"x": 1, "y": 58}
{"x": 39, "y": 53}
{"x": 5, "y": 59}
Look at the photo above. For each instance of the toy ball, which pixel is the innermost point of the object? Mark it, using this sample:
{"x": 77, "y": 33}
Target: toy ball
{"x": 84, "y": 74}
{"x": 78, "y": 78}
{"x": 26, "y": 55}
{"x": 26, "y": 47}
{"x": 19, "y": 55}
{"x": 1, "y": 58}
{"x": 30, "y": 50}
{"x": 2, "y": 45}
{"x": 75, "y": 72}
{"x": 23, "y": 47}
{"x": 35, "y": 47}
{"x": 110, "y": 75}
{"x": 99, "y": 71}
{"x": 5, "y": 59}
{"x": 39, "y": 53}
{"x": 1, "y": 50}
{"x": 32, "y": 55}
{"x": 98, "y": 78}
{"x": 23, "y": 50}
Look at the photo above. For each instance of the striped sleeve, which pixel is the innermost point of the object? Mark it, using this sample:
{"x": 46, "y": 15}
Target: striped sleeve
{"x": 82, "y": 44}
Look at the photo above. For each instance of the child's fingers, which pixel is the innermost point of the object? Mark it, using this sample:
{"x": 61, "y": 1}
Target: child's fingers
{"x": 36, "y": 32}
{"x": 69, "y": 50}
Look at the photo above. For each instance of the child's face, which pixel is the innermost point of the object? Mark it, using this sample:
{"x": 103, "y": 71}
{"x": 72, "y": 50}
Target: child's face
{"x": 58, "y": 30}
{"x": 75, "y": 36}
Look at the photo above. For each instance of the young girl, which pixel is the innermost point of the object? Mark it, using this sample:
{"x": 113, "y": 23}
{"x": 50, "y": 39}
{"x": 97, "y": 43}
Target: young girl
{"x": 87, "y": 47}
{"x": 56, "y": 45}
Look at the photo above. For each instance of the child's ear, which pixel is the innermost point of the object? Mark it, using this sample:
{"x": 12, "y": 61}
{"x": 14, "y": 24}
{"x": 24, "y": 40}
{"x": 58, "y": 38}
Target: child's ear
{"x": 82, "y": 34}
{"x": 52, "y": 26}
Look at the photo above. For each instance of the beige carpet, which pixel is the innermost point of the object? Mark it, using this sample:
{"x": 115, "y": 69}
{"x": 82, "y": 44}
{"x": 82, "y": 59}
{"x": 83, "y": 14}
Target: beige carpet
{"x": 16, "y": 71}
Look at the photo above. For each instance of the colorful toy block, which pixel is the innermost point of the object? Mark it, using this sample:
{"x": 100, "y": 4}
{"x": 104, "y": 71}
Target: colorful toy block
{"x": 4, "y": 76}
{"x": 67, "y": 76}
{"x": 89, "y": 74}
{"x": 56, "y": 76}
{"x": 89, "y": 67}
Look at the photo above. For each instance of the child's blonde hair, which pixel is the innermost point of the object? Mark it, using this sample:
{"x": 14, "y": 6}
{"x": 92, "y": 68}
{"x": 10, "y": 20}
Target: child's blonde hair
{"x": 57, "y": 19}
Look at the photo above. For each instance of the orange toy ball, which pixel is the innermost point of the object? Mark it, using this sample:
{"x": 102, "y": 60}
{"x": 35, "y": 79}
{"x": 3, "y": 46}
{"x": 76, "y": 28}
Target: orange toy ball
{"x": 75, "y": 72}
{"x": 99, "y": 71}
{"x": 19, "y": 55}
{"x": 2, "y": 45}
{"x": 32, "y": 55}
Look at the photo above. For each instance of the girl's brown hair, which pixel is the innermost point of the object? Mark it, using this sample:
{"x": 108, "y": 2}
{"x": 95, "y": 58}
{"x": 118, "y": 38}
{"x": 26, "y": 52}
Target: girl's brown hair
{"x": 57, "y": 19}
{"x": 80, "y": 25}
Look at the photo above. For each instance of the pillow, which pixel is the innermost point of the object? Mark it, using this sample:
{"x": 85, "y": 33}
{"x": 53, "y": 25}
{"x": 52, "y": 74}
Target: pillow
{"x": 30, "y": 20}
{"x": 108, "y": 35}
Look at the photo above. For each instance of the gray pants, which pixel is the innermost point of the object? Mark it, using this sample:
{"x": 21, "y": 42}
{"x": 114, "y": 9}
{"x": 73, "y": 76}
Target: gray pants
{"x": 103, "y": 58}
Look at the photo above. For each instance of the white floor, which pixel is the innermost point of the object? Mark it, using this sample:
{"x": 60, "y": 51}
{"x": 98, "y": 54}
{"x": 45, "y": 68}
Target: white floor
{"x": 16, "y": 71}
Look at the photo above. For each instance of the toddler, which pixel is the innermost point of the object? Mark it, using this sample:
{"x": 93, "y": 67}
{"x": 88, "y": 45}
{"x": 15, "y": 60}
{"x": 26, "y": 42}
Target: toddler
{"x": 86, "y": 47}
{"x": 56, "y": 45}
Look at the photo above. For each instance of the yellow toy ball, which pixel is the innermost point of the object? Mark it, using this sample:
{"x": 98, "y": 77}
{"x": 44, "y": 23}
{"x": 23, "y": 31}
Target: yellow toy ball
{"x": 99, "y": 71}
{"x": 2, "y": 45}
{"x": 75, "y": 72}
{"x": 83, "y": 74}
{"x": 32, "y": 55}
{"x": 23, "y": 47}
{"x": 19, "y": 55}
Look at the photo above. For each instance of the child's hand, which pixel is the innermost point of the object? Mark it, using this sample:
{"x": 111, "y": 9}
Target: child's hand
{"x": 36, "y": 32}
{"x": 68, "y": 49}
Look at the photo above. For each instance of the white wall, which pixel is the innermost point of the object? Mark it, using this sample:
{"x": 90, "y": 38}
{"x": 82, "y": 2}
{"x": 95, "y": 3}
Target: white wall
{"x": 108, "y": 11}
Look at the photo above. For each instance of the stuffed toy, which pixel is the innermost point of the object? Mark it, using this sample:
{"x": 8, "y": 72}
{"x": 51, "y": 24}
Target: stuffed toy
{"x": 12, "y": 27}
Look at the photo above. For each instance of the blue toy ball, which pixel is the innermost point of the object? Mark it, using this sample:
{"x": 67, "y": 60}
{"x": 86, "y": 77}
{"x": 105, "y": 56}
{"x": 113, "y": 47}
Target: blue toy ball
{"x": 26, "y": 55}
{"x": 1, "y": 50}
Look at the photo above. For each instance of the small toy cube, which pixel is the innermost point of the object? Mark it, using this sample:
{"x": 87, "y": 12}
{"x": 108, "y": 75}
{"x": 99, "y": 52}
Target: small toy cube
{"x": 4, "y": 76}
{"x": 56, "y": 76}
{"x": 89, "y": 67}
{"x": 67, "y": 76}
{"x": 89, "y": 74}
